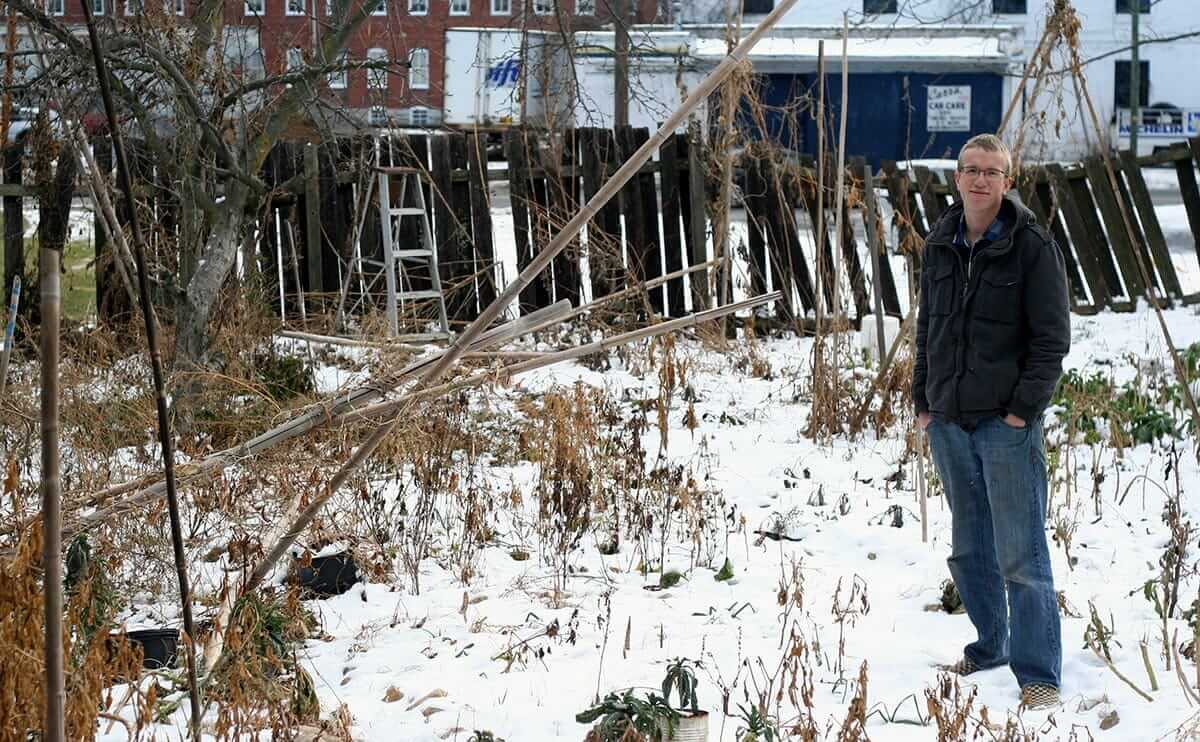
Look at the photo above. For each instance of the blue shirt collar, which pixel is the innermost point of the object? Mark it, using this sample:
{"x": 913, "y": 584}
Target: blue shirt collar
{"x": 993, "y": 232}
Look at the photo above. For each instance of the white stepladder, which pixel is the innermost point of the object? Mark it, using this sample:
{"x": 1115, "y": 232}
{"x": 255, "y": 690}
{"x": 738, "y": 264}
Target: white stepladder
{"x": 399, "y": 259}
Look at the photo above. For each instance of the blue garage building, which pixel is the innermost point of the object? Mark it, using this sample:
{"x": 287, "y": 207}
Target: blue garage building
{"x": 913, "y": 93}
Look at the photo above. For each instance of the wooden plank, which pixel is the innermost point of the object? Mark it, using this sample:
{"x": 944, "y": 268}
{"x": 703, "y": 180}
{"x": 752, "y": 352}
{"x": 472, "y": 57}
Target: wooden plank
{"x": 851, "y": 262}
{"x": 312, "y": 224}
{"x": 668, "y": 157}
{"x": 903, "y": 199}
{"x": 1118, "y": 238}
{"x": 824, "y": 253}
{"x": 786, "y": 251}
{"x": 952, "y": 185}
{"x": 883, "y": 279}
{"x": 448, "y": 259}
{"x": 336, "y": 218}
{"x": 14, "y": 241}
{"x": 1159, "y": 255}
{"x": 455, "y": 265}
{"x": 539, "y": 212}
{"x": 695, "y": 218}
{"x": 1084, "y": 241}
{"x": 1190, "y": 192}
{"x": 1044, "y": 206}
{"x": 1081, "y": 194}
{"x": 598, "y": 237}
{"x": 1141, "y": 247}
{"x": 652, "y": 263}
{"x": 520, "y": 195}
{"x": 806, "y": 195}
{"x": 564, "y": 202}
{"x": 935, "y": 205}
{"x": 758, "y": 226}
{"x": 632, "y": 208}
{"x": 473, "y": 209}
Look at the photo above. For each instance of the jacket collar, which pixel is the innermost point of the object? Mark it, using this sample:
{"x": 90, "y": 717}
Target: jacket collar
{"x": 1013, "y": 214}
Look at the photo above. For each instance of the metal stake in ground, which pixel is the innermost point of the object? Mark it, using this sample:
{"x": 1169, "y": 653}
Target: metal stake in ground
{"x": 164, "y": 429}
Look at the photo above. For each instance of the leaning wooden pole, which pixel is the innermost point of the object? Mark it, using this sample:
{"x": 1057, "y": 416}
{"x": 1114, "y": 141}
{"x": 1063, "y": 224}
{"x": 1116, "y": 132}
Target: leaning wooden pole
{"x": 49, "y": 263}
{"x": 165, "y": 439}
{"x": 535, "y": 267}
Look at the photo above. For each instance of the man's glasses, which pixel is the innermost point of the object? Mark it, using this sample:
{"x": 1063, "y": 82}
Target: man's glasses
{"x": 990, "y": 173}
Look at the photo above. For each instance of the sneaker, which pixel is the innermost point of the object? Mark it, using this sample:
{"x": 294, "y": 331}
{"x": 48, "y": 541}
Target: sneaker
{"x": 963, "y": 667}
{"x": 1035, "y": 697}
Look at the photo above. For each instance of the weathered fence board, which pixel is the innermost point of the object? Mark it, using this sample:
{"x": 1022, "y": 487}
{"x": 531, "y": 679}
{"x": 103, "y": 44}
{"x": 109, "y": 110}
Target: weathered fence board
{"x": 668, "y": 157}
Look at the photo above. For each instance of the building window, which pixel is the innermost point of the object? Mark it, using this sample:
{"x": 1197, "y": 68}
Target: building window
{"x": 758, "y": 6}
{"x": 55, "y": 7}
{"x": 133, "y": 7}
{"x": 377, "y": 116}
{"x": 376, "y": 76}
{"x": 875, "y": 7}
{"x": 419, "y": 116}
{"x": 1009, "y": 7}
{"x": 380, "y": 9}
{"x": 418, "y": 69}
{"x": 1125, "y": 7}
{"x": 501, "y": 7}
{"x": 97, "y": 7}
{"x": 543, "y": 7}
{"x": 418, "y": 7}
{"x": 293, "y": 7}
{"x": 460, "y": 7}
{"x": 585, "y": 7}
{"x": 178, "y": 6}
{"x": 254, "y": 7}
{"x": 339, "y": 79}
{"x": 1121, "y": 89}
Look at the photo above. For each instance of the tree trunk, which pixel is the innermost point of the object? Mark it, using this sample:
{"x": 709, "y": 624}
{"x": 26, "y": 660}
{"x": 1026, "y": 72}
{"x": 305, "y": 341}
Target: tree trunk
{"x": 194, "y": 311}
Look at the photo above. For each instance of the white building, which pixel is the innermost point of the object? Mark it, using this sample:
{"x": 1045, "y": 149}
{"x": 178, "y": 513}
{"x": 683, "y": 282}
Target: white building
{"x": 1169, "y": 67}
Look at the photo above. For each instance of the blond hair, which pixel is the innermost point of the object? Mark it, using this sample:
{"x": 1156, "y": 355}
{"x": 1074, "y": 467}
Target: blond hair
{"x": 988, "y": 143}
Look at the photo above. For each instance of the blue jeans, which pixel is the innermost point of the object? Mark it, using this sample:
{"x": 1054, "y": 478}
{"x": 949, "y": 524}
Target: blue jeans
{"x": 995, "y": 482}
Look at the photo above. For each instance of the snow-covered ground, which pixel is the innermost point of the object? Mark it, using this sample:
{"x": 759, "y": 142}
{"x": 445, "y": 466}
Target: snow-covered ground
{"x": 383, "y": 636}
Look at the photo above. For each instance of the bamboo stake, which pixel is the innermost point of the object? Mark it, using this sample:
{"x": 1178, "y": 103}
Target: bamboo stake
{"x": 384, "y": 410}
{"x": 1029, "y": 66}
{"x": 311, "y": 419}
{"x": 9, "y": 332}
{"x": 556, "y": 245}
{"x": 166, "y": 441}
{"x": 49, "y": 262}
{"x": 723, "y": 218}
{"x": 841, "y": 200}
{"x": 391, "y": 411}
{"x": 1147, "y": 283}
{"x": 820, "y": 233}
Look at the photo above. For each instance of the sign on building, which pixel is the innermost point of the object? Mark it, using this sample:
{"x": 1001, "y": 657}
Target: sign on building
{"x": 949, "y": 108}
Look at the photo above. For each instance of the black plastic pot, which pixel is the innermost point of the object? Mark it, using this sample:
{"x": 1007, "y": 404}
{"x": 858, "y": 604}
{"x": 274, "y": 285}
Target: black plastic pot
{"x": 328, "y": 575}
{"x": 158, "y": 646}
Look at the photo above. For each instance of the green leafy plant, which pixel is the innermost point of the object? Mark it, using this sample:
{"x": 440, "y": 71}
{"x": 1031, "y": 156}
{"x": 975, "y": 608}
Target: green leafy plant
{"x": 755, "y": 727}
{"x": 726, "y": 572}
{"x": 682, "y": 679}
{"x": 619, "y": 714}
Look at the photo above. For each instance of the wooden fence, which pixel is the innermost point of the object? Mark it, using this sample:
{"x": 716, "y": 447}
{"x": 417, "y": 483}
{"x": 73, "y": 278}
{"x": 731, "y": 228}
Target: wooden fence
{"x": 658, "y": 225}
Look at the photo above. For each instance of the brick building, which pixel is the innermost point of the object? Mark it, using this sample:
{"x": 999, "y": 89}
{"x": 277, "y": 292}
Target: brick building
{"x": 268, "y": 36}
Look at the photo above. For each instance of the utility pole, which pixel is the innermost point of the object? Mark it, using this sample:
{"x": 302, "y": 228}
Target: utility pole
{"x": 621, "y": 71}
{"x": 1135, "y": 77}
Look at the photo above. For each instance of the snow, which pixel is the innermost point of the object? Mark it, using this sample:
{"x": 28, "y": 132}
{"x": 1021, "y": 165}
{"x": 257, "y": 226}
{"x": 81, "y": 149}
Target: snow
{"x": 892, "y": 48}
{"x": 379, "y": 636}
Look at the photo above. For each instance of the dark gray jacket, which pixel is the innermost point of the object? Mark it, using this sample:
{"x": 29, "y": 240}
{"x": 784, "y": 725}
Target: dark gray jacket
{"x": 992, "y": 331}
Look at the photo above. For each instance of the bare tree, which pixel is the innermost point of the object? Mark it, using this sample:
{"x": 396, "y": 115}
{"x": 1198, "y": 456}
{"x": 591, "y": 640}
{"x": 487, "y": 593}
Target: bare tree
{"x": 208, "y": 115}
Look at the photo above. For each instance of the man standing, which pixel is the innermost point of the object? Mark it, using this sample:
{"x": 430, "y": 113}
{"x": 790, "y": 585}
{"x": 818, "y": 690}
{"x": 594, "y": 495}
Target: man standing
{"x": 992, "y": 329}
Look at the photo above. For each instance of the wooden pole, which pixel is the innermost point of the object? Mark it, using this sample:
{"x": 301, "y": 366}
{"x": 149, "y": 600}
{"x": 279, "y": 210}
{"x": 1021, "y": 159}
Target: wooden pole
{"x": 875, "y": 243}
{"x": 821, "y": 277}
{"x": 165, "y": 438}
{"x": 49, "y": 263}
{"x": 841, "y": 174}
{"x": 9, "y": 332}
{"x": 620, "y": 9}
